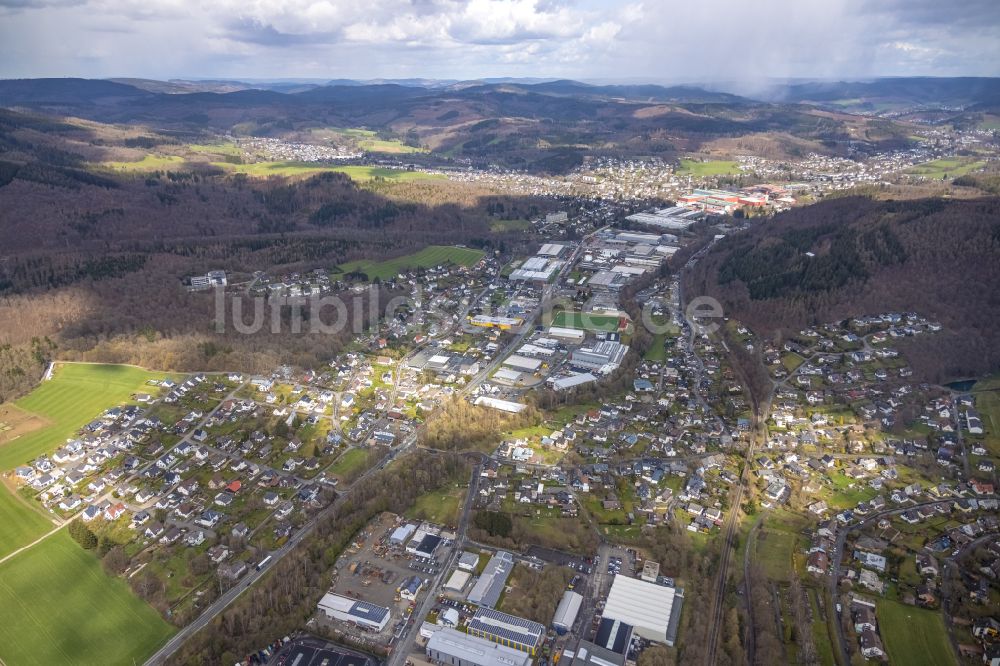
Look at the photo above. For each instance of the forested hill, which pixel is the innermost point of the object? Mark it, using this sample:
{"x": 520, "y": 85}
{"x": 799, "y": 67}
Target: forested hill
{"x": 854, "y": 256}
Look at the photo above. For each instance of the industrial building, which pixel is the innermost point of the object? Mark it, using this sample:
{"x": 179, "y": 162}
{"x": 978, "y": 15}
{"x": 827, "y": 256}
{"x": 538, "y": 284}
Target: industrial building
{"x": 677, "y": 218}
{"x": 502, "y": 405}
{"x": 489, "y": 587}
{"x": 502, "y": 323}
{"x": 450, "y": 646}
{"x": 652, "y": 610}
{"x": 610, "y": 646}
{"x": 507, "y": 630}
{"x": 569, "y": 334}
{"x": 457, "y": 581}
{"x": 523, "y": 363}
{"x": 567, "y": 611}
{"x": 508, "y": 375}
{"x": 571, "y": 381}
{"x": 535, "y": 269}
{"x": 468, "y": 561}
{"x": 361, "y": 613}
{"x": 603, "y": 357}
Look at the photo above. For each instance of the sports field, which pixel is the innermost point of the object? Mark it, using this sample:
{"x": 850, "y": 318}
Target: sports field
{"x": 432, "y": 255}
{"x": 57, "y": 606}
{"x": 19, "y": 524}
{"x": 587, "y": 321}
{"x": 710, "y": 168}
{"x": 913, "y": 636}
{"x": 76, "y": 394}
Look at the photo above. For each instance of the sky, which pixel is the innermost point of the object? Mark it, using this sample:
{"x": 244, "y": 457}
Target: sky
{"x": 663, "y": 41}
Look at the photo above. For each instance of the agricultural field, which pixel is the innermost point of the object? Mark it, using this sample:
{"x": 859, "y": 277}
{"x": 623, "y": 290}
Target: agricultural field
{"x": 433, "y": 255}
{"x": 367, "y": 140}
{"x": 72, "y": 398}
{"x": 147, "y": 163}
{"x": 20, "y": 525}
{"x": 951, "y": 167}
{"x": 57, "y": 606}
{"x": 440, "y": 506}
{"x": 913, "y": 636}
{"x": 699, "y": 169}
{"x": 587, "y": 321}
{"x": 293, "y": 169}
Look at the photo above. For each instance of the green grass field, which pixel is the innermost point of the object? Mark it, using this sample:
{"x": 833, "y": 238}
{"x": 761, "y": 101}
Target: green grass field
{"x": 913, "y": 636}
{"x": 698, "y": 169}
{"x": 350, "y": 462}
{"x": 439, "y": 506}
{"x": 76, "y": 394}
{"x": 20, "y": 524}
{"x": 57, "y": 606}
{"x": 292, "y": 169}
{"x": 147, "y": 163}
{"x": 586, "y": 321}
{"x": 433, "y": 255}
{"x": 774, "y": 552}
{"x": 946, "y": 168}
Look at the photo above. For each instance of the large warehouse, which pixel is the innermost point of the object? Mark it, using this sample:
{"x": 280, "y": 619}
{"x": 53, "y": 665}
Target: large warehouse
{"x": 567, "y": 611}
{"x": 361, "y": 613}
{"x": 491, "y": 583}
{"x": 507, "y": 630}
{"x": 651, "y": 609}
{"x": 450, "y": 646}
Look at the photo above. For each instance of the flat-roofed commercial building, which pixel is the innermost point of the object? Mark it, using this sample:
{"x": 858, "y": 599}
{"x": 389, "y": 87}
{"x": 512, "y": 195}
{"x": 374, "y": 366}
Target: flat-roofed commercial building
{"x": 361, "y": 613}
{"x": 489, "y": 587}
{"x": 609, "y": 648}
{"x": 450, "y": 646}
{"x": 651, "y": 609}
{"x": 522, "y": 363}
{"x": 507, "y": 630}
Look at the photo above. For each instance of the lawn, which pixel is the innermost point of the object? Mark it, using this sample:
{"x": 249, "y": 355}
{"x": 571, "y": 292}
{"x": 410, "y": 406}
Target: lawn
{"x": 20, "y": 524}
{"x": 710, "y": 168}
{"x": 57, "y": 606}
{"x": 952, "y": 167}
{"x": 587, "y": 321}
{"x": 76, "y": 394}
{"x": 433, "y": 255}
{"x": 440, "y": 506}
{"x": 913, "y": 636}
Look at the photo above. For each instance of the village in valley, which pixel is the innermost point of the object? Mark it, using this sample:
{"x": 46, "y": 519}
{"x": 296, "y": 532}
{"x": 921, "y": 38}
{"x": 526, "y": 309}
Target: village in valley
{"x": 858, "y": 503}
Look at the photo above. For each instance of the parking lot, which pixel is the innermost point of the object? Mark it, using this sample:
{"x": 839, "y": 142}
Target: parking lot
{"x": 316, "y": 652}
{"x": 582, "y": 564}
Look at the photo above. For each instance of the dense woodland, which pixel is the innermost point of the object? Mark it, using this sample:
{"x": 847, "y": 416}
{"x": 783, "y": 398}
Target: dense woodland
{"x": 93, "y": 266}
{"x": 936, "y": 257}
